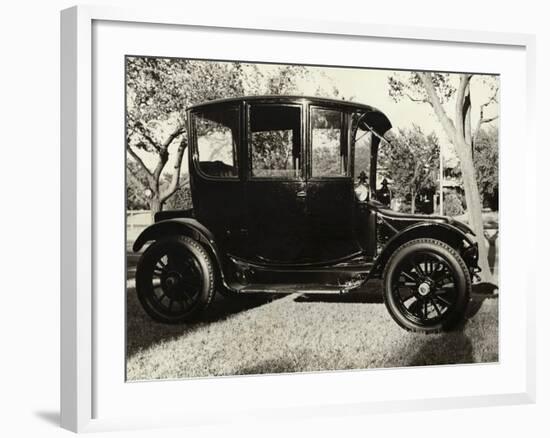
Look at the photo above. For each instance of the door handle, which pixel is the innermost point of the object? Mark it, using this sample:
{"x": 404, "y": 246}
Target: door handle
{"x": 301, "y": 194}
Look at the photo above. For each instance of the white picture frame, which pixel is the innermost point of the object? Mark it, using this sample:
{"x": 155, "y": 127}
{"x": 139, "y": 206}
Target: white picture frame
{"x": 82, "y": 368}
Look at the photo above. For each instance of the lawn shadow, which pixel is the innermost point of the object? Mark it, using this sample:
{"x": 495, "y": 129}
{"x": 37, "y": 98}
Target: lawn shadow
{"x": 480, "y": 293}
{"x": 484, "y": 288}
{"x": 270, "y": 366}
{"x": 371, "y": 292}
{"x": 142, "y": 332}
{"x": 456, "y": 345}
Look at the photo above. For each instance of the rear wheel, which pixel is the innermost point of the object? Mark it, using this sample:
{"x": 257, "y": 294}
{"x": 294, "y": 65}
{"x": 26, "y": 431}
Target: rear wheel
{"x": 175, "y": 280}
{"x": 427, "y": 286}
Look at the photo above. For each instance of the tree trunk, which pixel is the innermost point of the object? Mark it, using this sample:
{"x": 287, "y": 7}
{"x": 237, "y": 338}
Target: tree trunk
{"x": 463, "y": 144}
{"x": 459, "y": 134}
{"x": 413, "y": 201}
{"x": 155, "y": 206}
{"x": 473, "y": 203}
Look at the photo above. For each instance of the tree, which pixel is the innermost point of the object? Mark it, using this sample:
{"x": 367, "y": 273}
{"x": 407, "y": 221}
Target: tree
{"x": 136, "y": 187}
{"x": 435, "y": 89}
{"x": 182, "y": 198}
{"x": 157, "y": 93}
{"x": 411, "y": 162}
{"x": 486, "y": 163}
{"x": 493, "y": 84}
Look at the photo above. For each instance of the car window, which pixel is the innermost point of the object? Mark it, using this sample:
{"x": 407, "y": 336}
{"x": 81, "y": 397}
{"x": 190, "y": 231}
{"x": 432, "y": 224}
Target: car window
{"x": 329, "y": 152}
{"x": 216, "y": 135}
{"x": 362, "y": 153}
{"x": 275, "y": 143}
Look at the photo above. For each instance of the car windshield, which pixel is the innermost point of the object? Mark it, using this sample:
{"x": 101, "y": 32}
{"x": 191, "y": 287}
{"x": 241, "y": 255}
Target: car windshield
{"x": 362, "y": 141}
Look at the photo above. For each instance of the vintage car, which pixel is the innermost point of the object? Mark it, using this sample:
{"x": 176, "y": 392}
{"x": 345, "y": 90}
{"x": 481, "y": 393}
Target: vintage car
{"x": 285, "y": 200}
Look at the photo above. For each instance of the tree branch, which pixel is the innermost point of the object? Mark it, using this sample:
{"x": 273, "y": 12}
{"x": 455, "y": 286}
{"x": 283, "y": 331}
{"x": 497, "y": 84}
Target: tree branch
{"x": 173, "y": 136}
{"x": 135, "y": 177}
{"x": 175, "y": 182}
{"x": 147, "y": 136}
{"x": 461, "y": 106}
{"x": 482, "y": 118}
{"x": 434, "y": 101}
{"x": 169, "y": 195}
{"x": 162, "y": 160}
{"x": 163, "y": 154}
{"x": 492, "y": 99}
{"x": 416, "y": 99}
{"x": 488, "y": 120}
{"x": 138, "y": 159}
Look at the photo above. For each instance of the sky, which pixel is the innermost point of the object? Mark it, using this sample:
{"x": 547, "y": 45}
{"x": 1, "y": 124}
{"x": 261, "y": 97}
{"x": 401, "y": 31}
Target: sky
{"x": 370, "y": 86}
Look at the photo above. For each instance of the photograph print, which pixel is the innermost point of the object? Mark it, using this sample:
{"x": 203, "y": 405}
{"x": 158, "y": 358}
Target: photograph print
{"x": 285, "y": 218}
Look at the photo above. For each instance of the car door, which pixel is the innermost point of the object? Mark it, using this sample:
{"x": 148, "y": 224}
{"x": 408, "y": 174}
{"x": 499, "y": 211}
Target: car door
{"x": 330, "y": 195}
{"x": 276, "y": 188}
{"x": 217, "y": 183}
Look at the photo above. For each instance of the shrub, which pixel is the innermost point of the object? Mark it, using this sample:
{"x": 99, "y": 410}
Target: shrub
{"x": 452, "y": 204}
{"x": 180, "y": 200}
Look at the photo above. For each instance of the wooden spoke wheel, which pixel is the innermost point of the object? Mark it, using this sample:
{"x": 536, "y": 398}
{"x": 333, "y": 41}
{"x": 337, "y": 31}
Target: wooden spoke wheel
{"x": 426, "y": 286}
{"x": 175, "y": 279}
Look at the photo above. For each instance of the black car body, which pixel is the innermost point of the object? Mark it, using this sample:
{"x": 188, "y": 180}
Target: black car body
{"x": 284, "y": 193}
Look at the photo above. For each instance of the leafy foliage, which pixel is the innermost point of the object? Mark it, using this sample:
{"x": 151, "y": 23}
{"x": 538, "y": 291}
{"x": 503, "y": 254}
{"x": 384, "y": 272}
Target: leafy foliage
{"x": 138, "y": 195}
{"x": 435, "y": 89}
{"x": 410, "y": 85}
{"x": 181, "y": 199}
{"x": 486, "y": 162}
{"x": 411, "y": 162}
{"x": 136, "y": 185}
{"x": 271, "y": 150}
{"x": 160, "y": 89}
{"x": 452, "y": 204}
{"x": 327, "y": 161}
{"x": 326, "y": 138}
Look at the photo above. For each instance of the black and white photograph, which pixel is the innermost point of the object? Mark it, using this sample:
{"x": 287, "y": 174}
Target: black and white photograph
{"x": 285, "y": 218}
{"x": 250, "y": 219}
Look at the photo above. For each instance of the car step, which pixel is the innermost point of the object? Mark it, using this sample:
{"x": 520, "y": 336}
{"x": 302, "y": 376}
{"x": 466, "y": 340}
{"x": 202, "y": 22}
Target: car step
{"x": 293, "y": 288}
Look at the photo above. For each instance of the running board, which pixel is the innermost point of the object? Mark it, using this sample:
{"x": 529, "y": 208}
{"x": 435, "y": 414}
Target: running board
{"x": 295, "y": 287}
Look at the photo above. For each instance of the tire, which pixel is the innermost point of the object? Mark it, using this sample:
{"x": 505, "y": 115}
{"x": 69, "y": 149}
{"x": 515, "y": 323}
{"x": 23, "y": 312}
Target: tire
{"x": 175, "y": 280}
{"x": 427, "y": 286}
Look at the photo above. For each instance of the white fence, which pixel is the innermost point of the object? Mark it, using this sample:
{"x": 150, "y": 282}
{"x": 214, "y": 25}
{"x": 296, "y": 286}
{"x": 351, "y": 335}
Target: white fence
{"x": 136, "y": 221}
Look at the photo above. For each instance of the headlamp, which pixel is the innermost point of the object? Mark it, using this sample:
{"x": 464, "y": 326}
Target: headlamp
{"x": 361, "y": 192}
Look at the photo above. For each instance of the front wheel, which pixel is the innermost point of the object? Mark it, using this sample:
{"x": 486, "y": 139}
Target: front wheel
{"x": 175, "y": 280}
{"x": 427, "y": 286}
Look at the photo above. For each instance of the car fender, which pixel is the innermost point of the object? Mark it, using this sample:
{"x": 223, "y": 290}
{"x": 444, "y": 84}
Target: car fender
{"x": 447, "y": 233}
{"x": 182, "y": 227}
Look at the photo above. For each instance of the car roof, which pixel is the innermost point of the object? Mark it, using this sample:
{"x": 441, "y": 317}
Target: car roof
{"x": 376, "y": 118}
{"x": 285, "y": 99}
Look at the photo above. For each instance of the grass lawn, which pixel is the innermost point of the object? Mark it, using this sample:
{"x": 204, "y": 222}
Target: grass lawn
{"x": 300, "y": 333}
